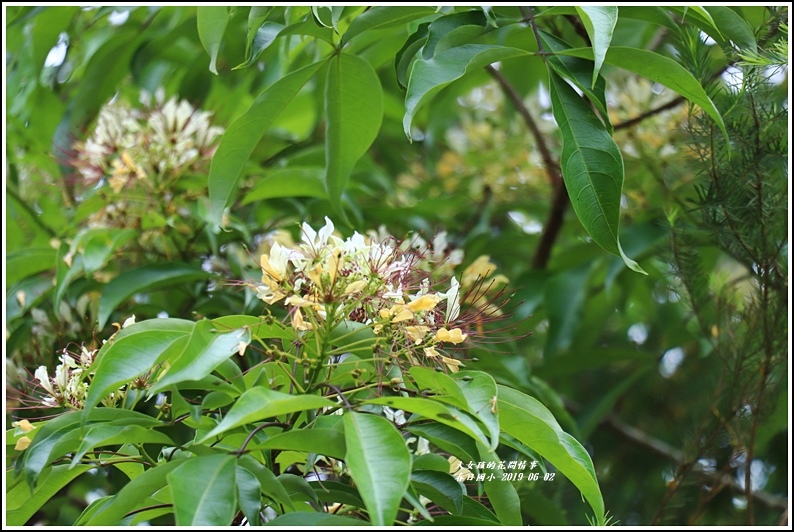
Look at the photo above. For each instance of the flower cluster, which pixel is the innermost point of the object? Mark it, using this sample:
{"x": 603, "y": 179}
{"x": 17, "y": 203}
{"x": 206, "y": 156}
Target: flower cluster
{"x": 69, "y": 386}
{"x": 370, "y": 280}
{"x": 129, "y": 145}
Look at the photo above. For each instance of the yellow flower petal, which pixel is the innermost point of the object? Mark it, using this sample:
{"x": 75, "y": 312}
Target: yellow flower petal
{"x": 427, "y": 302}
{"x": 22, "y": 443}
{"x": 24, "y": 424}
{"x": 416, "y": 333}
{"x": 401, "y": 313}
{"x": 356, "y": 287}
{"x": 454, "y": 336}
{"x": 431, "y": 352}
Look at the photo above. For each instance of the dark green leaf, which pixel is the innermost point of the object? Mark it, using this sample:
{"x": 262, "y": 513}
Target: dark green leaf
{"x": 268, "y": 482}
{"x": 354, "y": 107}
{"x": 242, "y": 136}
{"x": 563, "y": 297}
{"x": 443, "y": 26}
{"x": 211, "y": 22}
{"x": 204, "y": 490}
{"x": 142, "y": 279}
{"x": 320, "y": 519}
{"x": 428, "y": 76}
{"x": 250, "y": 495}
{"x": 379, "y": 462}
{"x": 440, "y": 488}
{"x": 383, "y": 17}
{"x": 264, "y": 37}
{"x": 733, "y": 27}
{"x": 592, "y": 167}
{"x": 448, "y": 439}
{"x": 21, "y": 503}
{"x": 105, "y": 434}
{"x": 260, "y": 403}
{"x": 436, "y": 411}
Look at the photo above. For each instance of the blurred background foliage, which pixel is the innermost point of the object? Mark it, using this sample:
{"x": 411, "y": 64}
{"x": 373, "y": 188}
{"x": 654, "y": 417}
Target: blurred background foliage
{"x": 676, "y": 382}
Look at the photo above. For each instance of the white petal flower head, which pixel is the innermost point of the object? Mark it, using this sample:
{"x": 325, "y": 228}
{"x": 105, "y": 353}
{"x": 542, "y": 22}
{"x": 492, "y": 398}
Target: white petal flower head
{"x": 44, "y": 378}
{"x": 453, "y": 301}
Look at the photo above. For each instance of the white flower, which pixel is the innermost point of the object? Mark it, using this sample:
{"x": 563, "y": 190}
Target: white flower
{"x": 44, "y": 378}
{"x": 453, "y": 300}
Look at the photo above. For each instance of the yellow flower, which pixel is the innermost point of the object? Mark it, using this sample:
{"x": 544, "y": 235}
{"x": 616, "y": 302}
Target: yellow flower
{"x": 22, "y": 443}
{"x": 454, "y": 336}
{"x": 481, "y": 268}
{"x": 431, "y": 352}
{"x": 416, "y": 333}
{"x": 426, "y": 302}
{"x": 355, "y": 287}
{"x": 451, "y": 363}
{"x": 297, "y": 321}
{"x": 24, "y": 425}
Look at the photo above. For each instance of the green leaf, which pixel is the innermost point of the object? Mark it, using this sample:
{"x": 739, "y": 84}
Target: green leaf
{"x": 441, "y": 488}
{"x": 260, "y": 327}
{"x": 242, "y": 136}
{"x": 26, "y": 262}
{"x": 444, "y": 26}
{"x": 564, "y": 296}
{"x": 502, "y": 494}
{"x": 65, "y": 274}
{"x": 327, "y": 442}
{"x": 527, "y": 420}
{"x": 479, "y": 388}
{"x": 63, "y": 434}
{"x": 211, "y": 22}
{"x": 599, "y": 21}
{"x": 203, "y": 351}
{"x": 289, "y": 183}
{"x": 249, "y": 493}
{"x": 204, "y": 490}
{"x": 435, "y": 411}
{"x": 733, "y": 27}
{"x": 380, "y": 464}
{"x": 263, "y": 38}
{"x": 133, "y": 494}
{"x": 141, "y": 279}
{"x": 21, "y": 503}
{"x": 592, "y": 167}
{"x": 134, "y": 351}
{"x": 701, "y": 18}
{"x": 383, "y": 17}
{"x": 260, "y": 403}
{"x": 106, "y": 434}
{"x": 440, "y": 384}
{"x": 354, "y": 107}
{"x": 409, "y": 50}
{"x": 268, "y": 482}
{"x": 456, "y": 521}
{"x": 428, "y": 76}
{"x": 662, "y": 70}
{"x": 447, "y": 439}
{"x": 314, "y": 519}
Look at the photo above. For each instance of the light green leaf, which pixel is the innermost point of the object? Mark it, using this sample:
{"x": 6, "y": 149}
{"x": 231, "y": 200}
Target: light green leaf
{"x": 26, "y": 262}
{"x": 142, "y": 279}
{"x": 242, "y": 136}
{"x": 134, "y": 351}
{"x": 203, "y": 351}
{"x": 439, "y": 487}
{"x": 211, "y": 22}
{"x": 701, "y": 18}
{"x": 527, "y": 420}
{"x": 322, "y": 14}
{"x": 662, "y": 70}
{"x": 354, "y": 107}
{"x": 380, "y": 464}
{"x": 260, "y": 403}
{"x": 383, "y": 17}
{"x": 435, "y": 411}
{"x": 599, "y": 21}
{"x": 264, "y": 36}
{"x": 268, "y": 482}
{"x": 314, "y": 519}
{"x": 327, "y": 442}
{"x": 260, "y": 326}
{"x": 289, "y": 183}
{"x": 104, "y": 434}
{"x": 21, "y": 503}
{"x": 479, "y": 388}
{"x": 428, "y": 76}
{"x": 133, "y": 494}
{"x": 440, "y": 384}
{"x": 592, "y": 167}
{"x": 204, "y": 490}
